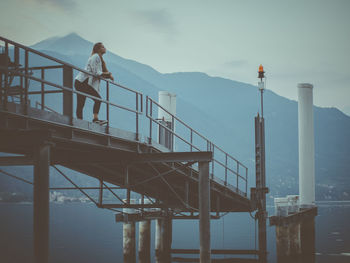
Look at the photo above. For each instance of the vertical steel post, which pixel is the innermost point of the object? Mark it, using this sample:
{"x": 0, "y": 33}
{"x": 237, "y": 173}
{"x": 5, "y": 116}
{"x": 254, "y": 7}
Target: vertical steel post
{"x": 237, "y": 171}
{"x": 191, "y": 139}
{"x": 213, "y": 162}
{"x": 16, "y": 55}
{"x": 226, "y": 169}
{"x": 41, "y": 204}
{"x": 6, "y": 76}
{"x": 172, "y": 137}
{"x": 187, "y": 192}
{"x": 127, "y": 182}
{"x": 260, "y": 186}
{"x": 100, "y": 196}
{"x": 26, "y": 81}
{"x": 137, "y": 116}
{"x": 150, "y": 121}
{"x": 204, "y": 212}
{"x": 68, "y": 95}
{"x": 107, "y": 106}
{"x": 42, "y": 89}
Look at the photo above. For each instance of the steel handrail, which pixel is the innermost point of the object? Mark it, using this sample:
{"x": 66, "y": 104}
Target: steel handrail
{"x": 73, "y": 91}
{"x": 192, "y": 145}
{"x": 63, "y": 63}
{"x": 200, "y": 135}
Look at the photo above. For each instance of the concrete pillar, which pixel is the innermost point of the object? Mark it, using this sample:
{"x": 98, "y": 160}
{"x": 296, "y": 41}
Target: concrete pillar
{"x": 204, "y": 212}
{"x": 145, "y": 238}
{"x": 306, "y": 145}
{"x": 282, "y": 242}
{"x": 307, "y": 239}
{"x": 294, "y": 239}
{"x": 158, "y": 240}
{"x": 163, "y": 240}
{"x": 129, "y": 239}
{"x": 41, "y": 204}
{"x": 167, "y": 101}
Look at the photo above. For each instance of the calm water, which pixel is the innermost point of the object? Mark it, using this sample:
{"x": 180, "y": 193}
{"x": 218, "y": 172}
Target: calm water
{"x": 84, "y": 233}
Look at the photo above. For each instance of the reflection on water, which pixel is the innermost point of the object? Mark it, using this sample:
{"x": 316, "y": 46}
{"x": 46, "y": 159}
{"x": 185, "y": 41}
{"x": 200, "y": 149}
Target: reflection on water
{"x": 84, "y": 233}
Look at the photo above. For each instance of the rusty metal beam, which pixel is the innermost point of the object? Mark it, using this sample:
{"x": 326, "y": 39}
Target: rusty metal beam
{"x": 16, "y": 160}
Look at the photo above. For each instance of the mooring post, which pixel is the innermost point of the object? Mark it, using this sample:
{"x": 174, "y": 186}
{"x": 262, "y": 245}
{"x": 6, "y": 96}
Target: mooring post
{"x": 204, "y": 212}
{"x": 129, "y": 240}
{"x": 145, "y": 238}
{"x": 41, "y": 204}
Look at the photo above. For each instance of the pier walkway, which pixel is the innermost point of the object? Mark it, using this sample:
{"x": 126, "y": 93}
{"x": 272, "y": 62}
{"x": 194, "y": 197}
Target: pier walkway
{"x": 193, "y": 179}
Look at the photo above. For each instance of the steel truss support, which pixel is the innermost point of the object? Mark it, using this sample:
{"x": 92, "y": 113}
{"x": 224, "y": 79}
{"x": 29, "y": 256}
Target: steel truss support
{"x": 204, "y": 212}
{"x": 41, "y": 204}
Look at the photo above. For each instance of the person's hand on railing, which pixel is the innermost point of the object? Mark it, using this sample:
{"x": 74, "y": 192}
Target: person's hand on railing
{"x": 111, "y": 77}
{"x": 107, "y": 75}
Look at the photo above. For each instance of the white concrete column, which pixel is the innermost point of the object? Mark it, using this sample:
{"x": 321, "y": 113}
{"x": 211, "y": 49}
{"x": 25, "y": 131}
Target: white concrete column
{"x": 158, "y": 240}
{"x": 145, "y": 237}
{"x": 167, "y": 101}
{"x": 306, "y": 145}
{"x": 129, "y": 239}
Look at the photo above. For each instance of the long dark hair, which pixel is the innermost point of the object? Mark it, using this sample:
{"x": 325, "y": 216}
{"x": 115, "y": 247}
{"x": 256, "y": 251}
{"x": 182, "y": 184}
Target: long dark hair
{"x": 95, "y": 50}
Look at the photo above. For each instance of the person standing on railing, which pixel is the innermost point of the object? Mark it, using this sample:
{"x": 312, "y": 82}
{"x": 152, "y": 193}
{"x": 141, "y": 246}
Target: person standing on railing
{"x": 91, "y": 85}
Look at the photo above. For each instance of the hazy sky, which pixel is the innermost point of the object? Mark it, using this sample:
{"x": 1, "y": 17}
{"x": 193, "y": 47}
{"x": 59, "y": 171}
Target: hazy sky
{"x": 296, "y": 41}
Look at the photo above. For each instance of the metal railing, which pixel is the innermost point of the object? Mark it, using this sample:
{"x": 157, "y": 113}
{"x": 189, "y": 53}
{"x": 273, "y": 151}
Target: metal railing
{"x": 25, "y": 73}
{"x": 228, "y": 164}
{"x": 223, "y": 162}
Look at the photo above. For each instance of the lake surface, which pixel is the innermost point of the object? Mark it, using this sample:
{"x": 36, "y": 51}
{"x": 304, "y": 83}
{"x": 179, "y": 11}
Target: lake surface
{"x": 83, "y": 233}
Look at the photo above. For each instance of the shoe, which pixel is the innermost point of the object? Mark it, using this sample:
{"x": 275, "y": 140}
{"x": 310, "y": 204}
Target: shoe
{"x": 95, "y": 120}
{"x": 99, "y": 121}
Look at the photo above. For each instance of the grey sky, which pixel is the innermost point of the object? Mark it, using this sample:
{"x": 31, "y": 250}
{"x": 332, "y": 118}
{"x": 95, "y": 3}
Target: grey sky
{"x": 296, "y": 41}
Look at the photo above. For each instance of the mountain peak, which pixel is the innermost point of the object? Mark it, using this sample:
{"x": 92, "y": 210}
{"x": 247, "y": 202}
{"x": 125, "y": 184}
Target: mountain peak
{"x": 71, "y": 43}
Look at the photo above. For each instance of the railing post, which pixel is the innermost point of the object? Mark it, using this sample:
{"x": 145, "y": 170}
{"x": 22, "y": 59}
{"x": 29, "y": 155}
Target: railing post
{"x": 26, "y": 82}
{"x": 137, "y": 116}
{"x": 237, "y": 174}
{"x": 246, "y": 181}
{"x": 107, "y": 106}
{"x": 68, "y": 95}
{"x": 226, "y": 169}
{"x": 191, "y": 139}
{"x": 212, "y": 166}
{"x": 100, "y": 196}
{"x": 42, "y": 89}
{"x": 172, "y": 138}
{"x": 150, "y": 121}
{"x": 16, "y": 55}
{"x": 6, "y": 77}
